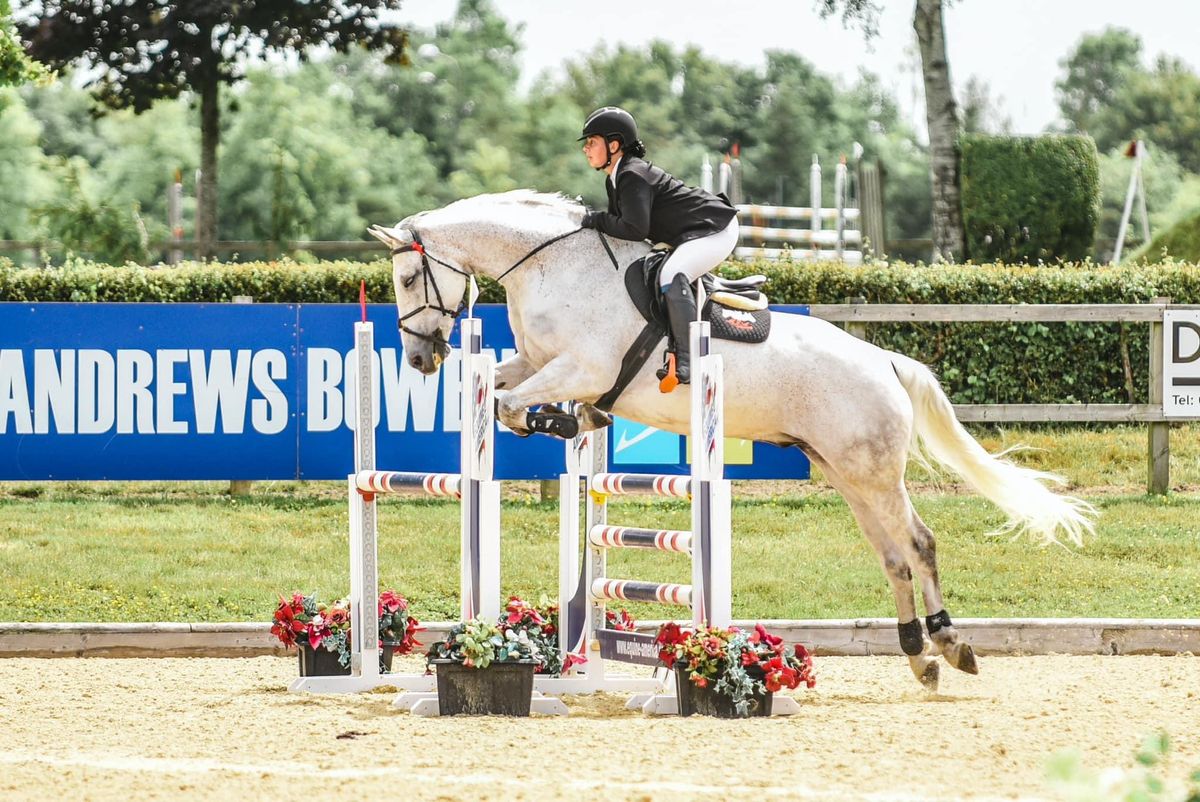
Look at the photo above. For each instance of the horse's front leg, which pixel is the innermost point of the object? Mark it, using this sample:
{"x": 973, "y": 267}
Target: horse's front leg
{"x": 561, "y": 379}
{"x": 513, "y": 371}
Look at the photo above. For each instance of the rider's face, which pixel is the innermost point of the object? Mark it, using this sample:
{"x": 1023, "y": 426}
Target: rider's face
{"x": 594, "y": 149}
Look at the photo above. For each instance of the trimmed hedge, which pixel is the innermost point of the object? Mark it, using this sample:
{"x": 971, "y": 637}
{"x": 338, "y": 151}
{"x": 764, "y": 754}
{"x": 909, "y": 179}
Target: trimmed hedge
{"x": 978, "y": 363}
{"x": 1029, "y": 198}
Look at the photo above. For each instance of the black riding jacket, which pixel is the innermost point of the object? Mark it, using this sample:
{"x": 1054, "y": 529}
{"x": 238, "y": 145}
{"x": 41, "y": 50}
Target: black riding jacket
{"x": 650, "y": 203}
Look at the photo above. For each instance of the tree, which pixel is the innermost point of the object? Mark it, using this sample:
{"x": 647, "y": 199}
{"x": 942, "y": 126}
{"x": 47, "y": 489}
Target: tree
{"x": 941, "y": 113}
{"x": 23, "y": 180}
{"x": 1106, "y": 92}
{"x": 141, "y": 52}
{"x": 981, "y": 113}
{"x": 15, "y": 66}
{"x": 1162, "y": 105}
{"x": 301, "y": 165}
{"x": 1094, "y": 71}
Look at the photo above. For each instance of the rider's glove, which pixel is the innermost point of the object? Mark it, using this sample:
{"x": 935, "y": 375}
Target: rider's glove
{"x": 589, "y": 220}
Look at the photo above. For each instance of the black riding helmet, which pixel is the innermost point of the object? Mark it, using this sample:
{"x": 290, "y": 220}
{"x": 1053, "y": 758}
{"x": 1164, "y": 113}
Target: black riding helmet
{"x": 612, "y": 122}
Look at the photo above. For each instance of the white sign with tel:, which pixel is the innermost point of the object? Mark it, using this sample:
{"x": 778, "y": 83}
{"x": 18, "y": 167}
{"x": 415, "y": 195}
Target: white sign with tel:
{"x": 1181, "y": 363}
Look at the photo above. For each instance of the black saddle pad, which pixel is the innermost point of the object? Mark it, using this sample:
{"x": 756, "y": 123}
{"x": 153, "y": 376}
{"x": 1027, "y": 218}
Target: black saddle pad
{"x": 738, "y": 325}
{"x": 641, "y": 281}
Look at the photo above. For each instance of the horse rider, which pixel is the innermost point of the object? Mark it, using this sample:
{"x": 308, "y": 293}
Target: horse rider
{"x": 646, "y": 202}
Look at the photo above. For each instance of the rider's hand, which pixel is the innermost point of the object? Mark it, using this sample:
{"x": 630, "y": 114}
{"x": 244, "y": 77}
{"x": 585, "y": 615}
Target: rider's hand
{"x": 588, "y": 219}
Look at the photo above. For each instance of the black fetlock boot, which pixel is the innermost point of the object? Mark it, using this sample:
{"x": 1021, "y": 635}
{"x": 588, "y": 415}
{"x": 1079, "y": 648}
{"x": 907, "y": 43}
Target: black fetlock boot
{"x": 681, "y": 310}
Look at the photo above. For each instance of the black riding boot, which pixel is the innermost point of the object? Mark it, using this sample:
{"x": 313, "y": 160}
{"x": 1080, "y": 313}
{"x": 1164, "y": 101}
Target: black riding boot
{"x": 681, "y": 310}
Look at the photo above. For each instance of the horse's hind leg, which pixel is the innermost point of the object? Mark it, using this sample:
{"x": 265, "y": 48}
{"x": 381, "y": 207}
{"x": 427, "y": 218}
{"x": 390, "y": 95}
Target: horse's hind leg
{"x": 916, "y": 541}
{"x": 899, "y": 576}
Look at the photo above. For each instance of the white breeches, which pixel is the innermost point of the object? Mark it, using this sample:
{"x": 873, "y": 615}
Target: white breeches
{"x": 696, "y": 257}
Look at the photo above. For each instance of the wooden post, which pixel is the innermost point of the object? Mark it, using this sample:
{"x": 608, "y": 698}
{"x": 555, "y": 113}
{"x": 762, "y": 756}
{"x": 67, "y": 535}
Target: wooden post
{"x": 1158, "y": 445}
{"x": 870, "y": 204}
{"x": 241, "y": 487}
{"x": 858, "y": 329}
{"x": 549, "y": 489}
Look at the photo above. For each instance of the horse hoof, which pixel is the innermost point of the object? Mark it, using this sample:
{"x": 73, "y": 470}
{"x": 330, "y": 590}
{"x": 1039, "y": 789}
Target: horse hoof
{"x": 926, "y": 671}
{"x": 962, "y": 657}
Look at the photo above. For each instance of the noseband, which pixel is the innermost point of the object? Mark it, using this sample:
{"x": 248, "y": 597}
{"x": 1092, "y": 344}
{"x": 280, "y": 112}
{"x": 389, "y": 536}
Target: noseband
{"x": 430, "y": 281}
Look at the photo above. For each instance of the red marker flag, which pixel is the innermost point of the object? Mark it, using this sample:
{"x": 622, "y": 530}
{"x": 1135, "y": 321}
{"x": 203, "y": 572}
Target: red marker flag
{"x": 362, "y": 299}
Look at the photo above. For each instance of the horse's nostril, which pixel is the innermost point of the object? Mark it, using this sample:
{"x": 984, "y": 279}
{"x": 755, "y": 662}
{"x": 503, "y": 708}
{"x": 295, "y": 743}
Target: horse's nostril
{"x": 417, "y": 362}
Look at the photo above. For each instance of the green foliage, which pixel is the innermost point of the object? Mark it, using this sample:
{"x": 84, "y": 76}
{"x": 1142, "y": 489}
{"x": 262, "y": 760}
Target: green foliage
{"x": 142, "y": 52}
{"x": 1165, "y": 184}
{"x": 15, "y": 65}
{"x": 141, "y": 154}
{"x": 1141, "y": 783}
{"x": 1162, "y": 105}
{"x": 299, "y": 165}
{"x": 319, "y": 149}
{"x": 112, "y": 232}
{"x": 1107, "y": 93}
{"x": 24, "y": 182}
{"x": 1093, "y": 72}
{"x": 1181, "y": 241}
{"x": 1029, "y": 198}
{"x": 478, "y": 643}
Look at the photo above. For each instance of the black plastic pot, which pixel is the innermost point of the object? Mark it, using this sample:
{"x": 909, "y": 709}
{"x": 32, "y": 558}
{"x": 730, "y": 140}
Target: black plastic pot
{"x": 697, "y": 701}
{"x": 501, "y": 689}
{"x": 319, "y": 662}
{"x": 324, "y": 663}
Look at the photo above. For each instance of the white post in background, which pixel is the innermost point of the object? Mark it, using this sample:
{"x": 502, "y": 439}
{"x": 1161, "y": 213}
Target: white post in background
{"x": 1141, "y": 177}
{"x": 199, "y": 201}
{"x": 175, "y": 218}
{"x": 735, "y": 178}
{"x": 723, "y": 177}
{"x": 814, "y": 195}
{"x": 1134, "y": 151}
{"x": 706, "y": 176}
{"x": 839, "y": 202}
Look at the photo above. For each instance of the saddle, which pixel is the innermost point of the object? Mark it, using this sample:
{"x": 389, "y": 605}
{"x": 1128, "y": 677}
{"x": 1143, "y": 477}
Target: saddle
{"x": 735, "y": 309}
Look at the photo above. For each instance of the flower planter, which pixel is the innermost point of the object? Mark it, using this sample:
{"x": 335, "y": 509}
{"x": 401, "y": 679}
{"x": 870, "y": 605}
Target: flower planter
{"x": 697, "y": 701}
{"x": 501, "y": 689}
{"x": 319, "y": 662}
{"x": 324, "y": 663}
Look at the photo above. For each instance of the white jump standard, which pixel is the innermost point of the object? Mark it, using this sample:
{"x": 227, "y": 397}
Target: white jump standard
{"x": 583, "y": 593}
{"x": 480, "y": 517}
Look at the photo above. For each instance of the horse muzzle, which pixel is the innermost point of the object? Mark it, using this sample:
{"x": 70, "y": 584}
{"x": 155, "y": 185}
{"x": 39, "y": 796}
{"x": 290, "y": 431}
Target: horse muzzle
{"x": 430, "y": 356}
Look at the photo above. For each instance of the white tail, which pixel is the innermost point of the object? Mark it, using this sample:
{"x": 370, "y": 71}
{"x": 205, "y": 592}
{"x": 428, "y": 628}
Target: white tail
{"x": 1019, "y": 492}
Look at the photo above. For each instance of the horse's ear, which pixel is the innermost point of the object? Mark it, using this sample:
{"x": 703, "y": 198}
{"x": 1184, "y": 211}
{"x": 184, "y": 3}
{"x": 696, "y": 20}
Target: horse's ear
{"x": 388, "y": 236}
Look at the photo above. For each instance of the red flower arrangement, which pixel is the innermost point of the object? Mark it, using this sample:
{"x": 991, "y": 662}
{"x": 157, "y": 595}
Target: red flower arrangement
{"x": 540, "y": 623}
{"x": 302, "y": 620}
{"x": 736, "y": 663}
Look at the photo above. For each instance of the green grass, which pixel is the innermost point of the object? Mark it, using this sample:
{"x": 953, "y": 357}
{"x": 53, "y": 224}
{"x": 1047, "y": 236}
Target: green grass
{"x": 187, "y": 552}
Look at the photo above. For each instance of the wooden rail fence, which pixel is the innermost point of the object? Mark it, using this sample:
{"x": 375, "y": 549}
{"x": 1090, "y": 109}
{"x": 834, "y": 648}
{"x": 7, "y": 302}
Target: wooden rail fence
{"x": 856, "y": 315}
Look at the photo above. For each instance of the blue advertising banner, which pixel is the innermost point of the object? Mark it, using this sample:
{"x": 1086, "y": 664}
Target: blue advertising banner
{"x": 258, "y": 391}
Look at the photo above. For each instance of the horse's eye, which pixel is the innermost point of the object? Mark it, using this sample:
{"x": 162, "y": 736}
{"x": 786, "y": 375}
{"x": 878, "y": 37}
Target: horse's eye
{"x": 408, "y": 282}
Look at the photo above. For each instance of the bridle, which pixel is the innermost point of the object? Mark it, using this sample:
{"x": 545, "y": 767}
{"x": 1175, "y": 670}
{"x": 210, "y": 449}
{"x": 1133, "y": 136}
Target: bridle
{"x": 430, "y": 281}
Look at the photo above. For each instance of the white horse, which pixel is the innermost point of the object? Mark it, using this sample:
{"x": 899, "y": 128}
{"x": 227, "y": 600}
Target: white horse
{"x": 856, "y": 410}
